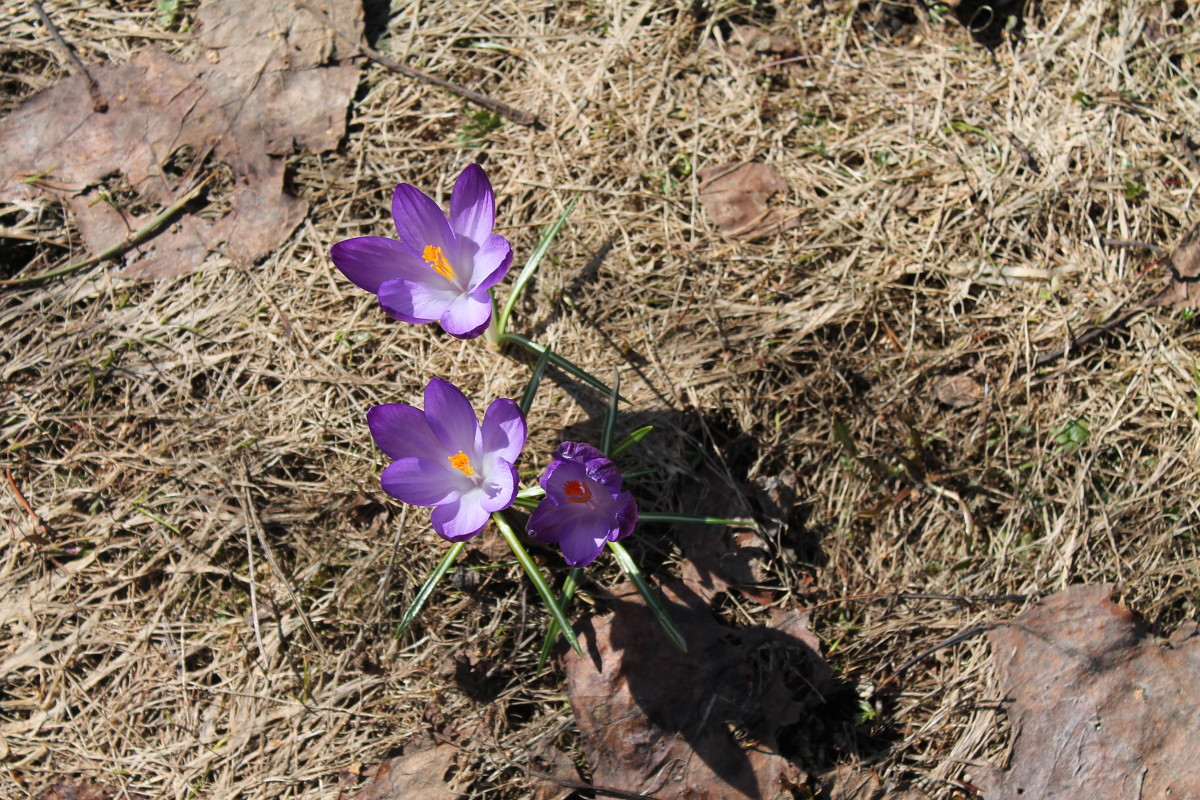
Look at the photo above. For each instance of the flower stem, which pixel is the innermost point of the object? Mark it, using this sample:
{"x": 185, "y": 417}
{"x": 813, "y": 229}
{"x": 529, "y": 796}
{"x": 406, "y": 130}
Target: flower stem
{"x": 539, "y": 583}
{"x": 492, "y": 334}
{"x": 564, "y": 599}
{"x": 631, "y": 569}
{"x": 652, "y": 517}
{"x": 430, "y": 584}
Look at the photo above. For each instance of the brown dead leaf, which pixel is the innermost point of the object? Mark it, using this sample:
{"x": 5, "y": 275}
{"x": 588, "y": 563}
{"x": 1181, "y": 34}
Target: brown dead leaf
{"x": 700, "y": 725}
{"x": 736, "y": 197}
{"x": 421, "y": 773}
{"x": 720, "y": 558}
{"x": 957, "y": 391}
{"x": 1183, "y": 284}
{"x": 78, "y": 790}
{"x": 563, "y": 777}
{"x": 1099, "y": 710}
{"x": 858, "y": 783}
{"x": 267, "y": 86}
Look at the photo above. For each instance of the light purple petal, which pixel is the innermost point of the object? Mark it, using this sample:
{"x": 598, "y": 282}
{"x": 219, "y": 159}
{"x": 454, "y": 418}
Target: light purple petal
{"x": 369, "y": 261}
{"x": 491, "y": 263}
{"x": 501, "y": 487}
{"x": 459, "y": 520}
{"x": 422, "y": 482}
{"x": 419, "y": 221}
{"x": 417, "y": 301}
{"x": 473, "y": 205}
{"x": 468, "y": 315}
{"x": 504, "y": 430}
{"x": 401, "y": 431}
{"x": 451, "y": 417}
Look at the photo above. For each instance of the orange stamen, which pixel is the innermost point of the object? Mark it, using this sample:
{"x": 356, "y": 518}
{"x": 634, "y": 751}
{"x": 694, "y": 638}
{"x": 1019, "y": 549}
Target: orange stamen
{"x": 436, "y": 260}
{"x": 461, "y": 462}
{"x": 577, "y": 492}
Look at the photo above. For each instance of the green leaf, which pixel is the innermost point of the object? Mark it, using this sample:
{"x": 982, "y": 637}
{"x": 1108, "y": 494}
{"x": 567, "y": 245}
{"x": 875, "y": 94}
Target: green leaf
{"x": 558, "y": 361}
{"x": 564, "y": 599}
{"x": 629, "y": 441}
{"x": 842, "y": 434}
{"x": 610, "y": 417}
{"x": 631, "y": 569}
{"x": 430, "y": 584}
{"x": 652, "y": 517}
{"x": 535, "y": 380}
{"x": 531, "y": 266}
{"x": 539, "y": 583}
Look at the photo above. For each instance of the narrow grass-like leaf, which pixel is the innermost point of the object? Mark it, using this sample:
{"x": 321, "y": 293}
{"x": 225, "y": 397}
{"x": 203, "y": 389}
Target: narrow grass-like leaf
{"x": 430, "y": 584}
{"x": 558, "y": 361}
{"x": 629, "y": 441}
{"x": 539, "y": 583}
{"x": 610, "y": 417}
{"x": 631, "y": 569}
{"x": 652, "y": 517}
{"x": 564, "y": 599}
{"x": 535, "y": 380}
{"x": 531, "y": 266}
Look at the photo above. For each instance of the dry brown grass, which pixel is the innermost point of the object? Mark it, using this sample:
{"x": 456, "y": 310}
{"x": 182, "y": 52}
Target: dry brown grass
{"x": 211, "y": 613}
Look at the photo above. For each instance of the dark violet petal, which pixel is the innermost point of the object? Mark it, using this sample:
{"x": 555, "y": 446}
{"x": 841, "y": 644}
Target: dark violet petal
{"x": 459, "y": 520}
{"x": 467, "y": 316}
{"x": 577, "y": 451}
{"x": 420, "y": 482}
{"x": 559, "y": 473}
{"x": 419, "y": 221}
{"x": 491, "y": 263}
{"x": 504, "y": 430}
{"x": 451, "y": 418}
{"x": 473, "y": 205}
{"x": 500, "y": 489}
{"x": 401, "y": 431}
{"x": 369, "y": 261}
{"x": 417, "y": 301}
{"x": 584, "y": 540}
{"x": 551, "y": 519}
{"x": 626, "y": 516}
{"x": 604, "y": 471}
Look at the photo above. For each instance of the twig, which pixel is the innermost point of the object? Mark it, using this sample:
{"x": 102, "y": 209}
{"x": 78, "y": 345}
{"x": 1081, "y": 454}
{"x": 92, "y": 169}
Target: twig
{"x": 279, "y": 573}
{"x": 99, "y": 104}
{"x": 134, "y": 239}
{"x": 974, "y": 630}
{"x": 25, "y": 503}
{"x": 580, "y": 786}
{"x": 514, "y": 114}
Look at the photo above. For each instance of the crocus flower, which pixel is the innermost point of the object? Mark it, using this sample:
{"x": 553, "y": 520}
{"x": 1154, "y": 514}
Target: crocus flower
{"x": 584, "y": 506}
{"x": 444, "y": 458}
{"x": 440, "y": 269}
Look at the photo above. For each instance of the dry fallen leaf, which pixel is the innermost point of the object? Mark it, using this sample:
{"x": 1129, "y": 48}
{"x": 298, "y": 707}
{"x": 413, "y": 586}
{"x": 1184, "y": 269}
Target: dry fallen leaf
{"x": 270, "y": 88}
{"x": 700, "y": 725}
{"x": 736, "y": 197}
{"x": 1183, "y": 284}
{"x": 1099, "y": 710}
{"x": 78, "y": 790}
{"x": 957, "y": 391}
{"x": 861, "y": 783}
{"x": 419, "y": 774}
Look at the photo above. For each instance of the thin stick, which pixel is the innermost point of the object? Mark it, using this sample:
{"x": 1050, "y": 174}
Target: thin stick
{"x": 514, "y": 114}
{"x": 280, "y": 575}
{"x": 99, "y": 104}
{"x": 20, "y": 496}
{"x": 134, "y": 239}
{"x": 974, "y": 630}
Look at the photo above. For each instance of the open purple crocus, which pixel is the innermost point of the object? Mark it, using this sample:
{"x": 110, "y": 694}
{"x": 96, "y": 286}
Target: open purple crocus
{"x": 584, "y": 506}
{"x": 444, "y": 458}
{"x": 441, "y": 269}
